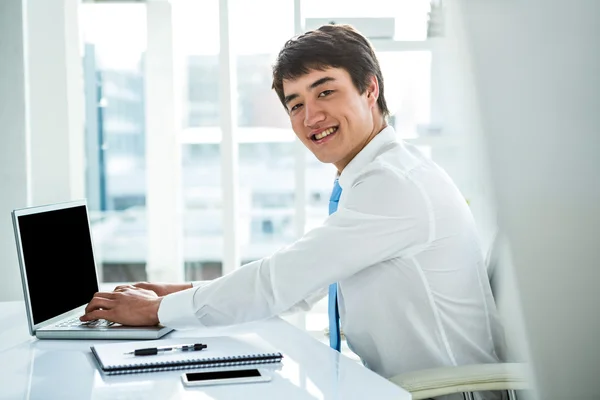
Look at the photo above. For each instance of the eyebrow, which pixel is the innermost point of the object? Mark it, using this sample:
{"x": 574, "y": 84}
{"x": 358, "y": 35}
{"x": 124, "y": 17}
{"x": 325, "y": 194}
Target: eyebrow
{"x": 313, "y": 85}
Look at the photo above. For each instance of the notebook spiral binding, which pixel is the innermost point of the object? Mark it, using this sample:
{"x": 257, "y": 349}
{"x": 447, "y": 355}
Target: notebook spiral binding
{"x": 263, "y": 358}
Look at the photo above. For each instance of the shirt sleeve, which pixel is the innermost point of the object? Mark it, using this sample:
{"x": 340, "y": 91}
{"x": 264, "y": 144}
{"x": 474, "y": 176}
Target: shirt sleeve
{"x": 380, "y": 216}
{"x": 308, "y": 303}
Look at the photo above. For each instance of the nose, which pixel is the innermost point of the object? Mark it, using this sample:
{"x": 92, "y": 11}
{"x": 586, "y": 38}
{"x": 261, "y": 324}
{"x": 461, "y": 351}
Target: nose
{"x": 313, "y": 114}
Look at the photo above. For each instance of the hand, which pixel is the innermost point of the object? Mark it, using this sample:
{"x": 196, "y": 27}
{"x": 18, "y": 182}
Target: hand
{"x": 130, "y": 305}
{"x": 161, "y": 289}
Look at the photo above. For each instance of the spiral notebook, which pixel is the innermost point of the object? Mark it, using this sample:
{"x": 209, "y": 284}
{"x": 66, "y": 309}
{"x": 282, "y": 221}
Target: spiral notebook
{"x": 221, "y": 351}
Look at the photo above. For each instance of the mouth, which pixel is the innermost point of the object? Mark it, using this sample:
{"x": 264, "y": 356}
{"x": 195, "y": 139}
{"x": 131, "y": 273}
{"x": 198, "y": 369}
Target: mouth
{"x": 324, "y": 135}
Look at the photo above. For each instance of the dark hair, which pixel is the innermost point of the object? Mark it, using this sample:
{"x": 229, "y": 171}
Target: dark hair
{"x": 337, "y": 46}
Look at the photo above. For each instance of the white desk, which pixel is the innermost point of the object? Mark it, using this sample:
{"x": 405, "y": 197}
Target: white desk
{"x": 64, "y": 369}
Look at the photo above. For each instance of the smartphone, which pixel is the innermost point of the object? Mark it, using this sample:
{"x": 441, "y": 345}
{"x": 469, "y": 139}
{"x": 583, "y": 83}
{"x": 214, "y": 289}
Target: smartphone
{"x": 223, "y": 377}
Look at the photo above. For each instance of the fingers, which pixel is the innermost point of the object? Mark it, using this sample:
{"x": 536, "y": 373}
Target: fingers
{"x": 143, "y": 285}
{"x": 136, "y": 286}
{"x": 122, "y": 288}
{"x": 100, "y": 306}
{"x": 96, "y": 314}
{"x": 106, "y": 295}
{"x": 99, "y": 301}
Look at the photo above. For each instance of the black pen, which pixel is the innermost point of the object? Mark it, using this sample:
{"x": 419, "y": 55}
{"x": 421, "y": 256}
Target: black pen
{"x": 150, "y": 351}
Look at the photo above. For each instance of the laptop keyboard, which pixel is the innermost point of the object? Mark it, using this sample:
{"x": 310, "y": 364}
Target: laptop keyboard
{"x": 96, "y": 323}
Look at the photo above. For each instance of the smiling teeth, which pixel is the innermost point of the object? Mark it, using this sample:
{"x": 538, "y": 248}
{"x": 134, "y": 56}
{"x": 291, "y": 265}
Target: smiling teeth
{"x": 326, "y": 132}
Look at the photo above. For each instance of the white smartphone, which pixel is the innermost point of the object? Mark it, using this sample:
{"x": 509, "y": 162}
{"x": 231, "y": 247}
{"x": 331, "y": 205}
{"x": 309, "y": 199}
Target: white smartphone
{"x": 222, "y": 377}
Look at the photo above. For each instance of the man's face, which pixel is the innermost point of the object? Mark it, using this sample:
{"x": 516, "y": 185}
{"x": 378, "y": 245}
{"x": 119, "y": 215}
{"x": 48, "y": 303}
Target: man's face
{"x": 329, "y": 115}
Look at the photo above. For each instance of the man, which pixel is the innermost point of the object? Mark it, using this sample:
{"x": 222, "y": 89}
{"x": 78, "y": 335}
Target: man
{"x": 412, "y": 290}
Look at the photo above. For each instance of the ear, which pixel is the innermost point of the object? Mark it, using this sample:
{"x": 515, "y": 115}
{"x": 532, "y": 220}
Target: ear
{"x": 372, "y": 91}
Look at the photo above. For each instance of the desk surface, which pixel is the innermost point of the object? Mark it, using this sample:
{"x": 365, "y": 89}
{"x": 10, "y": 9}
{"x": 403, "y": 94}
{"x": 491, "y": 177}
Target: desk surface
{"x": 64, "y": 369}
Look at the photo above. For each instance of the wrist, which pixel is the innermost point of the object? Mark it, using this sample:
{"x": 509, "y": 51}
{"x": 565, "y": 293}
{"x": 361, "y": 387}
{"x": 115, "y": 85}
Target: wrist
{"x": 174, "y": 288}
{"x": 184, "y": 286}
{"x": 156, "y": 307}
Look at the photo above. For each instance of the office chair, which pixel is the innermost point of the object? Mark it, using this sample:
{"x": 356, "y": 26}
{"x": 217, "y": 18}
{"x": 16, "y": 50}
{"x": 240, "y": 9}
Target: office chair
{"x": 467, "y": 379}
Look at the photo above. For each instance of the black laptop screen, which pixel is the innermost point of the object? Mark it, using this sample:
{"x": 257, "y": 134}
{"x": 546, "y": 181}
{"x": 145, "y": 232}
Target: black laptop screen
{"x": 59, "y": 261}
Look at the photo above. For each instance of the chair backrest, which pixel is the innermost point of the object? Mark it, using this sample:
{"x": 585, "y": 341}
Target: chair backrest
{"x": 502, "y": 282}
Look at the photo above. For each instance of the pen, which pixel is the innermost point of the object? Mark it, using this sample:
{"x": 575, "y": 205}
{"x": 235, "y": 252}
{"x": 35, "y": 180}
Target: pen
{"x": 150, "y": 351}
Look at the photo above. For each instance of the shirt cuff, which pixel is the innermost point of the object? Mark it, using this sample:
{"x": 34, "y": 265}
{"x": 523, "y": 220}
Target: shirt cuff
{"x": 176, "y": 310}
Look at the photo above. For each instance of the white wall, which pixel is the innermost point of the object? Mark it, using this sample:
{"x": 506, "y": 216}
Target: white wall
{"x": 13, "y": 150}
{"x": 536, "y": 67}
{"x": 163, "y": 172}
{"x": 56, "y": 101}
{"x": 463, "y": 114}
{"x": 457, "y": 104}
{"x": 41, "y": 116}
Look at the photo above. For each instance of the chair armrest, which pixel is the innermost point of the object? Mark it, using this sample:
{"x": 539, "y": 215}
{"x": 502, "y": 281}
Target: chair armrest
{"x": 434, "y": 382}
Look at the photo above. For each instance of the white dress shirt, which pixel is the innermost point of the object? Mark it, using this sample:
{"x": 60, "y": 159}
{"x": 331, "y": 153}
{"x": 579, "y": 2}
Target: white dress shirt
{"x": 412, "y": 286}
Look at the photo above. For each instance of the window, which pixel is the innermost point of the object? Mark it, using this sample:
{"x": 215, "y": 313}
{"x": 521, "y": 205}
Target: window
{"x": 407, "y": 78}
{"x": 114, "y": 38}
{"x": 281, "y": 185}
{"x": 202, "y": 218}
{"x": 196, "y": 49}
{"x": 266, "y": 150}
{"x": 266, "y": 197}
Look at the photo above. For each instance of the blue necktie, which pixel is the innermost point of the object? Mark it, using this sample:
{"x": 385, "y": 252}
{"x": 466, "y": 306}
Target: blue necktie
{"x": 334, "y": 314}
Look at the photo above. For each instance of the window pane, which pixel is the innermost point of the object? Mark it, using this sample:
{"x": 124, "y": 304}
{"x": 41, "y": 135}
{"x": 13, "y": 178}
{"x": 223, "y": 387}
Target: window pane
{"x": 201, "y": 102}
{"x": 256, "y": 42}
{"x": 266, "y": 198}
{"x": 410, "y": 16}
{"x": 266, "y": 147}
{"x": 258, "y": 104}
{"x": 114, "y": 44}
{"x": 261, "y": 26}
{"x": 255, "y": 54}
{"x": 319, "y": 184}
{"x": 407, "y": 79}
{"x": 196, "y": 51}
{"x": 202, "y": 219}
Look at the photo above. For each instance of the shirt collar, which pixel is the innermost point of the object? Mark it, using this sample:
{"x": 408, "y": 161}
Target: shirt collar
{"x": 367, "y": 154}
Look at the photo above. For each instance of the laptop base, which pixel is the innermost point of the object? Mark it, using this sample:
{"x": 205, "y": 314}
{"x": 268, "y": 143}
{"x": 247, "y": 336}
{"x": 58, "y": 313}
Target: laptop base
{"x": 116, "y": 333}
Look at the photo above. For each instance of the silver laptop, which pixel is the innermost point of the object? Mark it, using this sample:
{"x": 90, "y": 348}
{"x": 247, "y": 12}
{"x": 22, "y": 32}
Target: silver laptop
{"x": 58, "y": 272}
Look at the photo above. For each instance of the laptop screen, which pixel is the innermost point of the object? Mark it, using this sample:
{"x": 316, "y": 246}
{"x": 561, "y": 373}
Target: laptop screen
{"x": 59, "y": 261}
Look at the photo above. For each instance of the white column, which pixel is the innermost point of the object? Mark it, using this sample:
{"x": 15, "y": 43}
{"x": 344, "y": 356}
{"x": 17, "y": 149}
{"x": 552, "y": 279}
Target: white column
{"x": 41, "y": 116}
{"x": 163, "y": 200}
{"x": 14, "y": 160}
{"x": 299, "y": 319}
{"x": 462, "y": 118}
{"x": 56, "y": 101}
{"x": 438, "y": 83}
{"x": 535, "y": 68}
{"x": 299, "y": 151}
{"x": 229, "y": 143}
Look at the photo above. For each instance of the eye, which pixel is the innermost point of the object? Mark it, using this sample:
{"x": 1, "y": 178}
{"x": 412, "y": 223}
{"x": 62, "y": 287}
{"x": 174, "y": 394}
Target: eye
{"x": 325, "y": 93}
{"x": 295, "y": 107}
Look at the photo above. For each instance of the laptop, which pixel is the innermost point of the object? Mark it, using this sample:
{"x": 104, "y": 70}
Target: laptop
{"x": 58, "y": 273}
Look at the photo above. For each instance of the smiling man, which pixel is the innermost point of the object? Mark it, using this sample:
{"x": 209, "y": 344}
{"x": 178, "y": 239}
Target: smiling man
{"x": 399, "y": 257}
{"x": 323, "y": 109}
